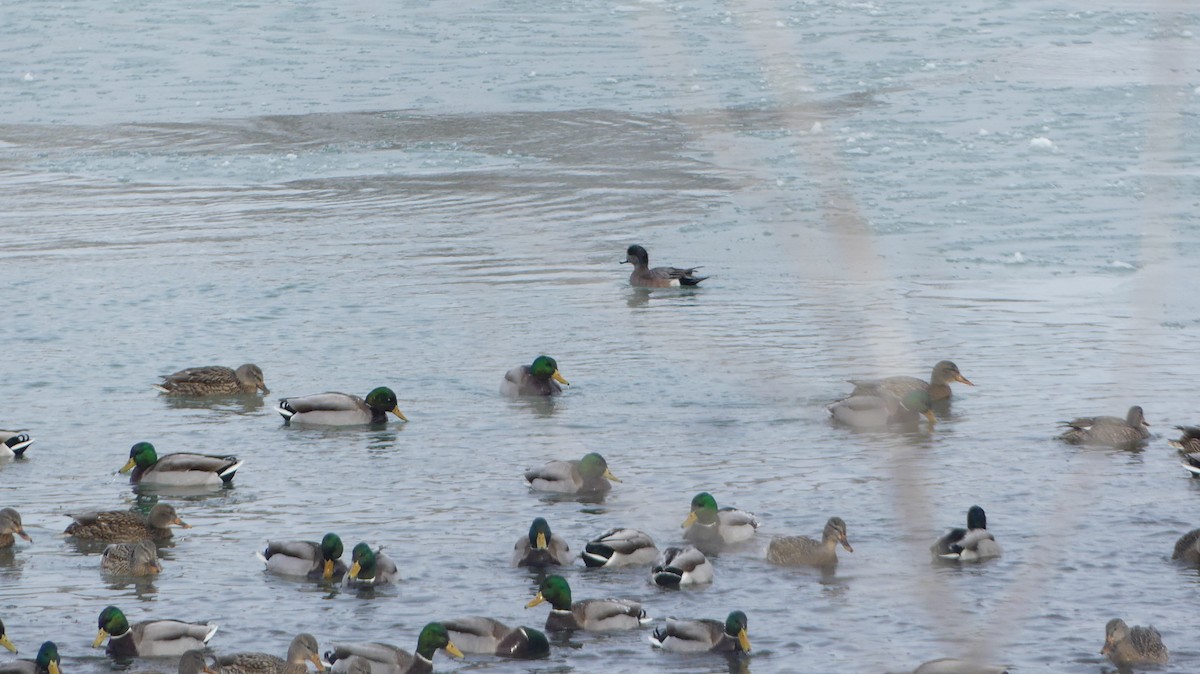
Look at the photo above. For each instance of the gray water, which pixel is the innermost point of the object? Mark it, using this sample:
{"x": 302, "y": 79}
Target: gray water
{"x": 423, "y": 195}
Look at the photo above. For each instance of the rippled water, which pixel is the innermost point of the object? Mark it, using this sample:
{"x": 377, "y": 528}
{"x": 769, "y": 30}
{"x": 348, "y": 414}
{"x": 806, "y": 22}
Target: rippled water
{"x": 423, "y": 196}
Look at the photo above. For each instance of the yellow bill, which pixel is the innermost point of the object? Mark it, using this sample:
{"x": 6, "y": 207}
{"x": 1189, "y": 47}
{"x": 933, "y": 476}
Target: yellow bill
{"x": 559, "y": 378}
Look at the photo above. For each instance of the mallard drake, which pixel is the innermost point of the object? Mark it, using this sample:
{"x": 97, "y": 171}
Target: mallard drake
{"x": 370, "y": 567}
{"x": 131, "y": 559}
{"x": 388, "y": 659}
{"x": 485, "y": 636}
{"x": 712, "y": 530}
{"x": 804, "y": 551}
{"x": 125, "y": 526}
{"x": 149, "y": 637}
{"x": 597, "y": 615}
{"x": 1108, "y": 431}
{"x": 620, "y": 547}
{"x": 47, "y": 662}
{"x": 4, "y": 641}
{"x": 968, "y": 545}
{"x": 938, "y": 386}
{"x": 700, "y": 636}
{"x": 1187, "y": 548}
{"x": 181, "y": 469}
{"x": 1125, "y": 645}
{"x": 589, "y": 475}
{"x": 318, "y": 561}
{"x": 341, "y": 409}
{"x": 956, "y": 666}
{"x": 541, "y": 548}
{"x": 214, "y": 380}
{"x": 542, "y": 378}
{"x": 643, "y": 276}
{"x": 681, "y": 566}
{"x": 14, "y": 443}
{"x": 882, "y": 409}
{"x": 302, "y": 651}
{"x": 10, "y": 524}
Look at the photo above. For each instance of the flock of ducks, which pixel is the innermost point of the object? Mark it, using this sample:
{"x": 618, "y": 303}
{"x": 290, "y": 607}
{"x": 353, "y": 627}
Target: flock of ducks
{"x": 709, "y": 530}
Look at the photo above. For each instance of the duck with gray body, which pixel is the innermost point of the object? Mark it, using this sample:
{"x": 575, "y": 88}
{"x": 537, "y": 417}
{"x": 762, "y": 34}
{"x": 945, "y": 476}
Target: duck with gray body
{"x": 938, "y": 387}
{"x": 597, "y": 615}
{"x": 131, "y": 559}
{"x": 340, "y": 409}
{"x": 316, "y": 561}
{"x": 956, "y": 666}
{"x": 712, "y": 529}
{"x": 149, "y": 638}
{"x": 704, "y": 636}
{"x": 487, "y": 636}
{"x": 540, "y": 378}
{"x": 882, "y": 409}
{"x": 541, "y": 547}
{"x": 214, "y": 380}
{"x": 643, "y": 276}
{"x": 589, "y": 475}
{"x": 301, "y": 651}
{"x": 1127, "y": 433}
{"x": 179, "y": 469}
{"x": 1125, "y": 645}
{"x": 804, "y": 551}
{"x": 10, "y": 527}
{"x": 125, "y": 526}
{"x": 14, "y": 443}
{"x": 677, "y": 567}
{"x": 972, "y": 544}
{"x": 620, "y": 547}
{"x": 388, "y": 659}
{"x": 1187, "y": 548}
{"x": 46, "y": 662}
{"x": 370, "y": 567}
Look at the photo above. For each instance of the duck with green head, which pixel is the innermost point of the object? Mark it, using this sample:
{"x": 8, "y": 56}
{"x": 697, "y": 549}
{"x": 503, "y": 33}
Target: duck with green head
{"x": 486, "y": 636}
{"x": 316, "y": 561}
{"x": 341, "y": 409}
{"x": 14, "y": 443}
{"x": 178, "y": 469}
{"x": 589, "y": 475}
{"x": 597, "y": 615}
{"x": 301, "y": 651}
{"x": 4, "y": 641}
{"x": 681, "y": 566}
{"x": 131, "y": 559}
{"x": 388, "y": 659}
{"x": 541, "y": 547}
{"x": 214, "y": 380}
{"x": 883, "y": 410}
{"x": 10, "y": 526}
{"x": 542, "y": 378}
{"x": 972, "y": 544}
{"x": 712, "y": 529}
{"x": 149, "y": 638}
{"x": 370, "y": 567}
{"x": 46, "y": 662}
{"x": 704, "y": 636}
{"x": 125, "y": 526}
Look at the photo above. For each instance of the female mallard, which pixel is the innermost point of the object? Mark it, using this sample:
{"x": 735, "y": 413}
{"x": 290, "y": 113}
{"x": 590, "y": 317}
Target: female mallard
{"x": 341, "y": 409}
{"x": 620, "y": 547}
{"x": 1125, "y": 645}
{"x": 125, "y": 526}
{"x": 370, "y": 567}
{"x": 302, "y": 651}
{"x": 938, "y": 386}
{"x": 214, "y": 380}
{"x": 712, "y": 530}
{"x": 1187, "y": 548}
{"x": 131, "y": 559}
{"x": 4, "y": 641}
{"x": 542, "y": 378}
{"x": 643, "y": 276}
{"x": 1108, "y": 431}
{"x": 10, "y": 524}
{"x": 1188, "y": 445}
{"x": 149, "y": 638}
{"x": 804, "y": 551}
{"x": 47, "y": 662}
{"x": 597, "y": 615}
{"x": 882, "y": 409}
{"x": 968, "y": 545}
{"x": 14, "y": 443}
{"x": 318, "y": 561}
{"x": 485, "y": 636}
{"x": 181, "y": 469}
{"x": 193, "y": 662}
{"x": 700, "y": 636}
{"x": 387, "y": 659}
{"x": 541, "y": 548}
{"x": 681, "y": 566}
{"x": 589, "y": 475}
